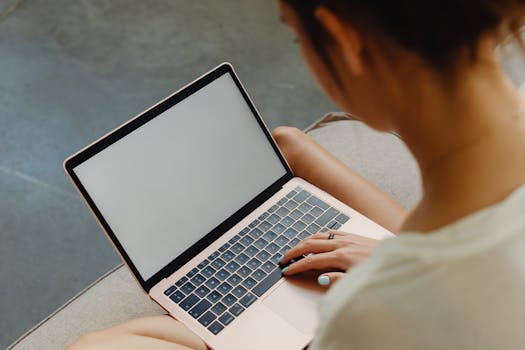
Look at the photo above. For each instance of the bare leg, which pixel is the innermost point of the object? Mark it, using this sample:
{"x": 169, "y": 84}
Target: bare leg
{"x": 316, "y": 165}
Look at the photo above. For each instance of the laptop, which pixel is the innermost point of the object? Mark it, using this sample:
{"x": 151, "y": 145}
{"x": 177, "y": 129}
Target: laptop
{"x": 199, "y": 202}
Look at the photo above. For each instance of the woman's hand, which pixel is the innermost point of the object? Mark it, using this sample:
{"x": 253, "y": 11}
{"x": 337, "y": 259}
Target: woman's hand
{"x": 338, "y": 254}
{"x": 152, "y": 333}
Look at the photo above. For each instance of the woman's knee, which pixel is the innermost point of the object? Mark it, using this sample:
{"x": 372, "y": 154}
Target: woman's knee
{"x": 289, "y": 140}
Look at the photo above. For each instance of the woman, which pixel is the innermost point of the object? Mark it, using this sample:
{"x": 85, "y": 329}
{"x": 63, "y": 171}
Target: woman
{"x": 455, "y": 276}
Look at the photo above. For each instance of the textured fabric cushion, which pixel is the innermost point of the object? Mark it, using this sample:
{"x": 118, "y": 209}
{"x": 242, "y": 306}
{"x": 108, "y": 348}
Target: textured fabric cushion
{"x": 115, "y": 297}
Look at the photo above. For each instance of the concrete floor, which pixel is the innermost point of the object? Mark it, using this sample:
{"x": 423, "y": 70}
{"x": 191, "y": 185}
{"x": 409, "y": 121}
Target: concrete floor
{"x": 71, "y": 70}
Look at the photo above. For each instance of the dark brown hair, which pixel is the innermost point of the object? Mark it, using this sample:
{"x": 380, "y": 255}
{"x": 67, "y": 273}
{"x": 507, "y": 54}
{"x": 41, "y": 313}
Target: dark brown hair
{"x": 437, "y": 30}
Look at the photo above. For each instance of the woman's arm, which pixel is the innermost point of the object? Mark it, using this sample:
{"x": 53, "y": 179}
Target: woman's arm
{"x": 316, "y": 165}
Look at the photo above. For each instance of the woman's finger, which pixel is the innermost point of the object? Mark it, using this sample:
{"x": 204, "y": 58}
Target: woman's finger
{"x": 328, "y": 279}
{"x": 320, "y": 261}
{"x": 309, "y": 246}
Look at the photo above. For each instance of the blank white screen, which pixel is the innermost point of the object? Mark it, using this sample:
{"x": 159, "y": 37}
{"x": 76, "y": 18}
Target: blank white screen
{"x": 167, "y": 184}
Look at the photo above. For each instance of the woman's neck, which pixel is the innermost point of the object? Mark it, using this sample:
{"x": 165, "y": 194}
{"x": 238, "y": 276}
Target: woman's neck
{"x": 469, "y": 141}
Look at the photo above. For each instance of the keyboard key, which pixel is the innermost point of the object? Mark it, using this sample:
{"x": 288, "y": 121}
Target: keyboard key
{"x": 282, "y": 201}
{"x": 296, "y": 214}
{"x": 282, "y": 212}
{"x": 177, "y": 296}
{"x": 308, "y": 219}
{"x": 303, "y": 235}
{"x": 246, "y": 241}
{"x": 273, "y": 219}
{"x": 316, "y": 212}
{"x": 291, "y": 194}
{"x": 279, "y": 228}
{"x": 226, "y": 319}
{"x": 259, "y": 274}
{"x": 224, "y": 247}
{"x": 287, "y": 221}
{"x": 260, "y": 243}
{"x": 200, "y": 308}
{"x": 219, "y": 308}
{"x": 203, "y": 264}
{"x": 317, "y": 202}
{"x": 170, "y": 290}
{"x": 202, "y": 291}
{"x": 342, "y": 218}
{"x": 326, "y": 217}
{"x": 192, "y": 272}
{"x": 268, "y": 266}
{"x": 281, "y": 241}
{"x": 253, "y": 223}
{"x": 273, "y": 208}
{"x": 236, "y": 309}
{"x": 207, "y": 319}
{"x": 187, "y": 303}
{"x": 213, "y": 256}
{"x": 267, "y": 283}
{"x": 214, "y": 296}
{"x": 251, "y": 251}
{"x": 208, "y": 271}
{"x": 263, "y": 216}
{"x": 215, "y": 328}
{"x": 291, "y": 204}
{"x": 294, "y": 242}
{"x": 212, "y": 283}
{"x": 276, "y": 258}
{"x": 244, "y": 271}
{"x": 255, "y": 233}
{"x": 284, "y": 249}
{"x": 242, "y": 258}
{"x": 263, "y": 255}
{"x": 254, "y": 263}
{"x": 299, "y": 226}
{"x": 239, "y": 291}
{"x": 313, "y": 228}
{"x": 264, "y": 226}
{"x": 249, "y": 283}
{"x": 224, "y": 288}
{"x": 247, "y": 300}
{"x": 237, "y": 248}
{"x": 301, "y": 196}
{"x": 222, "y": 274}
{"x": 219, "y": 263}
{"x": 198, "y": 279}
{"x": 304, "y": 207}
{"x": 272, "y": 248}
{"x": 181, "y": 281}
{"x": 227, "y": 256}
{"x": 234, "y": 280}
{"x": 232, "y": 266}
{"x": 187, "y": 288}
{"x": 269, "y": 236}
{"x": 234, "y": 239}
{"x": 229, "y": 300}
{"x": 334, "y": 225}
{"x": 290, "y": 233}
{"x": 244, "y": 231}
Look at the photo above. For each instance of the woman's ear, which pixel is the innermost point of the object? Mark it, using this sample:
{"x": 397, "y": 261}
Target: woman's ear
{"x": 346, "y": 37}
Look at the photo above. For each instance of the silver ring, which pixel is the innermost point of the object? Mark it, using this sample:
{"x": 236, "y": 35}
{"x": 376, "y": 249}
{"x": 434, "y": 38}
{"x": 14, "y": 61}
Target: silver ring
{"x": 331, "y": 235}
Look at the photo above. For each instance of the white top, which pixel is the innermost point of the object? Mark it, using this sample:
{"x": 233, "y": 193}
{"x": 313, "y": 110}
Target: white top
{"x": 461, "y": 287}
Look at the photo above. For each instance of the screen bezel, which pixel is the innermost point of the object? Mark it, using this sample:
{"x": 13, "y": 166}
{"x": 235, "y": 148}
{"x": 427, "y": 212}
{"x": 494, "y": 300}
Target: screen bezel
{"x": 143, "y": 118}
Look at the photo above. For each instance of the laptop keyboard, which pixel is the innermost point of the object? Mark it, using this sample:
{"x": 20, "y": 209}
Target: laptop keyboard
{"x": 231, "y": 279}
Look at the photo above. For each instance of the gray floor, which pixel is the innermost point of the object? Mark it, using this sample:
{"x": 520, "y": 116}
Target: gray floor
{"x": 72, "y": 70}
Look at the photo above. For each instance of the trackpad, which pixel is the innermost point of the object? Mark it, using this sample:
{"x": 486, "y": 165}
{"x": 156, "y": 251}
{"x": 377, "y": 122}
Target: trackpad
{"x": 297, "y": 302}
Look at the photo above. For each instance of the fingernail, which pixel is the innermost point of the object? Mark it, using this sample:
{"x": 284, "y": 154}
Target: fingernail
{"x": 285, "y": 269}
{"x": 323, "y": 280}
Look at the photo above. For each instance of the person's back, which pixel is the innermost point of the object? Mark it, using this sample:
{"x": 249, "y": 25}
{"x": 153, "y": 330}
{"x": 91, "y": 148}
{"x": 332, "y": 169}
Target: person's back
{"x": 459, "y": 288}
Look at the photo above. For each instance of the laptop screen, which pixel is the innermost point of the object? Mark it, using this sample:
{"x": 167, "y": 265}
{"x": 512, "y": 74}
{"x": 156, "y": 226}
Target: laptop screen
{"x": 164, "y": 186}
